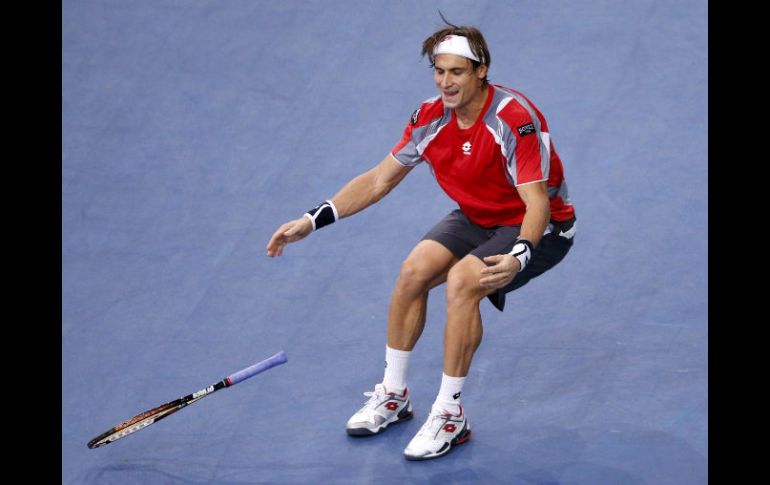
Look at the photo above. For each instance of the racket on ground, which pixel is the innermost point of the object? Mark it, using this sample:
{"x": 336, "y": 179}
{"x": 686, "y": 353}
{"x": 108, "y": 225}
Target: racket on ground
{"x": 141, "y": 421}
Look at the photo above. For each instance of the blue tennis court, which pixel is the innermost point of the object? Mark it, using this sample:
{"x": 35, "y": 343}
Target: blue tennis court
{"x": 192, "y": 130}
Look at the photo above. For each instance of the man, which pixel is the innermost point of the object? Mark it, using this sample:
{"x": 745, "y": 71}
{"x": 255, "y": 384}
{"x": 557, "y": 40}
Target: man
{"x": 489, "y": 149}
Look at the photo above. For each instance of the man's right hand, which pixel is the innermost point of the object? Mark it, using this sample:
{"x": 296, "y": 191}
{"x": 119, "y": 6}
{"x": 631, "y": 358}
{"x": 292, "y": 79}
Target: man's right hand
{"x": 289, "y": 232}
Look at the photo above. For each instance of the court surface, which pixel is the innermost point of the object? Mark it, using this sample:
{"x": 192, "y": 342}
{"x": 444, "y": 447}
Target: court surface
{"x": 191, "y": 130}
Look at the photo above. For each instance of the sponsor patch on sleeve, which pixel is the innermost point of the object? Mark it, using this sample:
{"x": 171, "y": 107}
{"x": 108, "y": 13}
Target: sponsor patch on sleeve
{"x": 526, "y": 129}
{"x": 415, "y": 115}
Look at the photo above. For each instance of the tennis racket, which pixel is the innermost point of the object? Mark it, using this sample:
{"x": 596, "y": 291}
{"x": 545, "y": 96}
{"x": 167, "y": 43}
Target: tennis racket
{"x": 141, "y": 421}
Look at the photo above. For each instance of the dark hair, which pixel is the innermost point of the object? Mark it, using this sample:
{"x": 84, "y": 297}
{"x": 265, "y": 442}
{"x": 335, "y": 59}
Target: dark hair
{"x": 476, "y": 41}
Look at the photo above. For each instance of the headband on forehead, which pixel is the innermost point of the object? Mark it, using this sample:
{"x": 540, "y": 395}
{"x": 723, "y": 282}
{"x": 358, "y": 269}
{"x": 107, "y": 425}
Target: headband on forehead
{"x": 457, "y": 45}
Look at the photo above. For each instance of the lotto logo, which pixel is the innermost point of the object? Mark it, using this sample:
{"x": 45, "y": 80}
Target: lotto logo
{"x": 466, "y": 148}
{"x": 450, "y": 428}
{"x": 392, "y": 405}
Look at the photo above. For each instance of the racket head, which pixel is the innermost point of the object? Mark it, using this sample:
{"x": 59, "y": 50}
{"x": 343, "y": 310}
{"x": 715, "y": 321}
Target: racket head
{"x": 138, "y": 422}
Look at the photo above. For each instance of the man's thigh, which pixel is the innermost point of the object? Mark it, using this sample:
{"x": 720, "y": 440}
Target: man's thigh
{"x": 431, "y": 261}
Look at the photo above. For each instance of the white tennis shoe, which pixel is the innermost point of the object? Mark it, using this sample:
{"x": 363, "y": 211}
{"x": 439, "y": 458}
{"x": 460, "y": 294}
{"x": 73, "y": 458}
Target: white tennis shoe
{"x": 440, "y": 432}
{"x": 381, "y": 410}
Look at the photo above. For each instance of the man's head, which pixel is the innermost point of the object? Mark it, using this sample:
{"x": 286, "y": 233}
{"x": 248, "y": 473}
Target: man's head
{"x": 460, "y": 59}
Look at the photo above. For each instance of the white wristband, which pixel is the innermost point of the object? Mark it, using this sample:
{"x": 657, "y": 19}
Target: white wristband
{"x": 522, "y": 251}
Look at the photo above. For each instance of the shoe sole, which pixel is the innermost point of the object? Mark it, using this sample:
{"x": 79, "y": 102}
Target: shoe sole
{"x": 458, "y": 440}
{"x": 368, "y": 432}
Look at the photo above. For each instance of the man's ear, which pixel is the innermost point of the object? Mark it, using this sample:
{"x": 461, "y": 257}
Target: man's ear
{"x": 481, "y": 71}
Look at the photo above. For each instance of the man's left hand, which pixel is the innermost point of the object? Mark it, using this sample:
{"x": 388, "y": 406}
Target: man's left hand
{"x": 503, "y": 270}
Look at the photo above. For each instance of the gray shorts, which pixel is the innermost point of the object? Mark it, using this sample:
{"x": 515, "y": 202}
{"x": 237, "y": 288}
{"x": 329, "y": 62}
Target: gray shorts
{"x": 462, "y": 237}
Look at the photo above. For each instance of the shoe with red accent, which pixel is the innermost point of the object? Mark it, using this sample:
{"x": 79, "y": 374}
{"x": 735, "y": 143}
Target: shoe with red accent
{"x": 438, "y": 435}
{"x": 381, "y": 410}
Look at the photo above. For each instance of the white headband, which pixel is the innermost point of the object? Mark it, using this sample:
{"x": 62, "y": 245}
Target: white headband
{"x": 457, "y": 45}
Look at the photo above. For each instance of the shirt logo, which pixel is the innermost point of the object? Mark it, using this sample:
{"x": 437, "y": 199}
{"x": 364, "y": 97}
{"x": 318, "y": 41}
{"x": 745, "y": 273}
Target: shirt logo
{"x": 526, "y": 129}
{"x": 467, "y": 148}
{"x": 415, "y": 115}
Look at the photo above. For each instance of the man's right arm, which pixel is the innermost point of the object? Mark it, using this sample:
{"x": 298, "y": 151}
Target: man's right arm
{"x": 358, "y": 194}
{"x": 369, "y": 187}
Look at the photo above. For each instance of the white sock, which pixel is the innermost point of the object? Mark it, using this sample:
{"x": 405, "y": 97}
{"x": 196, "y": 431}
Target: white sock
{"x": 396, "y": 363}
{"x": 448, "y": 398}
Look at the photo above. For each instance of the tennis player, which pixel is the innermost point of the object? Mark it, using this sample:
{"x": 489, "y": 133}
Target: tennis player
{"x": 491, "y": 151}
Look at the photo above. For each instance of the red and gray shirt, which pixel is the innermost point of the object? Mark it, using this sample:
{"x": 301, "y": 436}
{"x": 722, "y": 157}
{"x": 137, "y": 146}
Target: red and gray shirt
{"x": 481, "y": 166}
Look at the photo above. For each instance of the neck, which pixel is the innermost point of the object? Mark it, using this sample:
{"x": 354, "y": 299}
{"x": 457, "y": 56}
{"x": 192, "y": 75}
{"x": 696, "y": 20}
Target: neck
{"x": 467, "y": 115}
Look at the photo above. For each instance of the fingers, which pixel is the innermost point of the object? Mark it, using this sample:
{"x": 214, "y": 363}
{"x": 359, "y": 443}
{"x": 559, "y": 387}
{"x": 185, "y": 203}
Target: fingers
{"x": 289, "y": 232}
{"x": 497, "y": 280}
{"x": 278, "y": 240}
{"x": 496, "y": 260}
{"x": 499, "y": 274}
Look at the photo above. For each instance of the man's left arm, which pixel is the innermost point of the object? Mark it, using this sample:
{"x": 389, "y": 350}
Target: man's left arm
{"x": 505, "y": 266}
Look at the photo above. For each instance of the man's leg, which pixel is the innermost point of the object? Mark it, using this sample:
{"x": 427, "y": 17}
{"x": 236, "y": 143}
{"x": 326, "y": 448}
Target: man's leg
{"x": 447, "y": 424}
{"x": 425, "y": 267}
{"x": 463, "y": 331}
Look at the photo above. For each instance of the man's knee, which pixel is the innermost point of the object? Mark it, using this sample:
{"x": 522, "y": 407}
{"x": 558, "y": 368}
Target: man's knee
{"x": 417, "y": 277}
{"x": 412, "y": 275}
{"x": 424, "y": 268}
{"x": 462, "y": 284}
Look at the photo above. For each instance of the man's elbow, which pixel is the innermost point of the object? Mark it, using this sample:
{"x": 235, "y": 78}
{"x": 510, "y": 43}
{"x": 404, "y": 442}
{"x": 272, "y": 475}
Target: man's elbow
{"x": 382, "y": 186}
{"x": 383, "y": 189}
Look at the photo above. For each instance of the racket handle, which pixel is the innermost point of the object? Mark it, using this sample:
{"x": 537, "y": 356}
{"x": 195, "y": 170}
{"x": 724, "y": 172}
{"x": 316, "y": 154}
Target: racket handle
{"x": 269, "y": 363}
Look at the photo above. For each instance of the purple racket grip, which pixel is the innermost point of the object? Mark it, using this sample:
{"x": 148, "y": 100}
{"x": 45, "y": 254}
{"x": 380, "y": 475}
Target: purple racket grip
{"x": 269, "y": 363}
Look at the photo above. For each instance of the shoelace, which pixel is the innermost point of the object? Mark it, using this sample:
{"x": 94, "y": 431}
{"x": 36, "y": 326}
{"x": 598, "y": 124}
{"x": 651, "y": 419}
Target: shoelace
{"x": 374, "y": 397}
{"x": 430, "y": 428}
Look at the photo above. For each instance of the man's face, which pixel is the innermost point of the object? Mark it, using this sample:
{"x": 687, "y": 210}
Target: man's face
{"x": 456, "y": 80}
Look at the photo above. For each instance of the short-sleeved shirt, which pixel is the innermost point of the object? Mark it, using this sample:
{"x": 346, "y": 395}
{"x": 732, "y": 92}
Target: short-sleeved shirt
{"x": 480, "y": 167}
